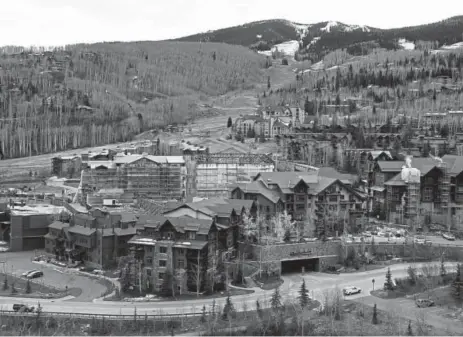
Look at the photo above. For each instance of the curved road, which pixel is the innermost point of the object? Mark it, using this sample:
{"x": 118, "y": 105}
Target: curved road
{"x": 317, "y": 283}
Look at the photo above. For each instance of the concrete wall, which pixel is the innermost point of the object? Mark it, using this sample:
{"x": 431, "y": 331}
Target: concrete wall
{"x": 328, "y": 253}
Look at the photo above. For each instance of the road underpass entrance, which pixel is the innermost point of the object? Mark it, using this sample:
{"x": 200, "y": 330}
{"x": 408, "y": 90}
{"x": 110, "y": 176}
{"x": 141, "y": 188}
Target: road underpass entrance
{"x": 295, "y": 265}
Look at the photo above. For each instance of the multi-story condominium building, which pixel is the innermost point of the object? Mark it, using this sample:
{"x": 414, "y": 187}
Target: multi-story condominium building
{"x": 183, "y": 249}
{"x": 300, "y": 194}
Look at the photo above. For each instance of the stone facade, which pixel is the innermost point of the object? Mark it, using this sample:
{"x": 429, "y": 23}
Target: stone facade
{"x": 327, "y": 252}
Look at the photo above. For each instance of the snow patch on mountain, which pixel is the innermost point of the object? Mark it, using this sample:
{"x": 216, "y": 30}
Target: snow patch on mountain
{"x": 288, "y": 48}
{"x": 314, "y": 40}
{"x": 301, "y": 29}
{"x": 357, "y": 27}
{"x": 328, "y": 27}
{"x": 407, "y": 45}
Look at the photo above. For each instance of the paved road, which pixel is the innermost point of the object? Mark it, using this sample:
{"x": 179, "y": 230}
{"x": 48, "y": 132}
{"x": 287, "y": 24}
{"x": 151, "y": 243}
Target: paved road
{"x": 20, "y": 262}
{"x": 318, "y": 284}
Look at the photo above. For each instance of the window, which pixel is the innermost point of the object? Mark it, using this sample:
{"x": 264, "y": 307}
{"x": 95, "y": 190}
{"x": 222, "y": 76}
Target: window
{"x": 148, "y": 272}
{"x": 333, "y": 198}
{"x": 149, "y": 260}
{"x": 163, "y": 250}
{"x": 191, "y": 235}
{"x": 162, "y": 263}
{"x": 300, "y": 198}
{"x": 150, "y": 249}
{"x": 161, "y": 276}
{"x": 181, "y": 264}
{"x": 342, "y": 197}
{"x": 427, "y": 194}
{"x": 321, "y": 198}
{"x": 267, "y": 208}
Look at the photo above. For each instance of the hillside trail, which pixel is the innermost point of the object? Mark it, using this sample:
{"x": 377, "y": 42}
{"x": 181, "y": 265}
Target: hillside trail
{"x": 232, "y": 105}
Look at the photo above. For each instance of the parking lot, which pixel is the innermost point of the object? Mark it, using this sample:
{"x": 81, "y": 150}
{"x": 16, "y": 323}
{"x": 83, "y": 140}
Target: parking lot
{"x": 20, "y": 262}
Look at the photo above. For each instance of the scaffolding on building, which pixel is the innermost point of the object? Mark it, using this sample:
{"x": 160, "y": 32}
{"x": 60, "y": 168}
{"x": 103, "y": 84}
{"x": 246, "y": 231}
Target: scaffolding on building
{"x": 445, "y": 192}
{"x": 412, "y": 207}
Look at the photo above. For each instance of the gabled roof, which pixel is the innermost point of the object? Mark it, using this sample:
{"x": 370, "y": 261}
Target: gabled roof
{"x": 454, "y": 164}
{"x": 182, "y": 224}
{"x": 286, "y": 181}
{"x": 376, "y": 153}
{"x": 216, "y": 206}
{"x": 330, "y": 172}
{"x": 395, "y": 181}
{"x": 81, "y": 230}
{"x": 390, "y": 165}
{"x": 58, "y": 225}
{"x": 142, "y": 240}
{"x": 258, "y": 187}
{"x": 190, "y": 244}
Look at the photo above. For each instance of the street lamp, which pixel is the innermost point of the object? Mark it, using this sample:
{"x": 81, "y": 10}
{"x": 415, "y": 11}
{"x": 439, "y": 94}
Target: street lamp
{"x": 373, "y": 281}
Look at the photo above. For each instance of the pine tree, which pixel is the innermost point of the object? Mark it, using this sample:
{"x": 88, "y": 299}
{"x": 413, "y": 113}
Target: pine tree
{"x": 303, "y": 295}
{"x": 443, "y": 271}
{"x": 229, "y": 122}
{"x": 457, "y": 285}
{"x": 388, "y": 285}
{"x": 228, "y": 308}
{"x": 374, "y": 320}
{"x": 409, "y": 329}
{"x": 268, "y": 82}
{"x": 275, "y": 301}
{"x": 203, "y": 314}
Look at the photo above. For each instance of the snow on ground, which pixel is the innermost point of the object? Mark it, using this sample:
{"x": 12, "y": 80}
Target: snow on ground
{"x": 314, "y": 40}
{"x": 329, "y": 25}
{"x": 407, "y": 45}
{"x": 453, "y": 46}
{"x": 318, "y": 66}
{"x": 355, "y": 27}
{"x": 301, "y": 29}
{"x": 288, "y": 48}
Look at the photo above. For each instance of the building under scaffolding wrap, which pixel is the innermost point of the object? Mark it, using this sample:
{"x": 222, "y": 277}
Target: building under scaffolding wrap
{"x": 211, "y": 175}
{"x": 412, "y": 177}
{"x": 153, "y": 177}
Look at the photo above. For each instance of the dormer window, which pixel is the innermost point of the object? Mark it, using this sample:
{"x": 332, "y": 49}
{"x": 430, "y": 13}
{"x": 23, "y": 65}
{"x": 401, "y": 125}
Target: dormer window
{"x": 191, "y": 235}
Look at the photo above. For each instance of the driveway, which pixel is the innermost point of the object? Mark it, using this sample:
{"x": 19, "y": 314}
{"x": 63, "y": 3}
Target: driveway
{"x": 19, "y": 262}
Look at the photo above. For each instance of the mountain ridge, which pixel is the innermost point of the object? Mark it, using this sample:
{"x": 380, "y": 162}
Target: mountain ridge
{"x": 318, "y": 39}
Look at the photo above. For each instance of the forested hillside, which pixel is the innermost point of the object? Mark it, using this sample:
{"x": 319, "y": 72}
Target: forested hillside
{"x": 87, "y": 95}
{"x": 378, "y": 89}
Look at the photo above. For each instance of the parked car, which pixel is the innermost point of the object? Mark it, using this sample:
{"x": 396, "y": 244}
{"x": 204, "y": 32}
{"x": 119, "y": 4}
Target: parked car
{"x": 22, "y": 308}
{"x": 35, "y": 274}
{"x": 424, "y": 303}
{"x": 448, "y": 236}
{"x": 420, "y": 240}
{"x": 351, "y": 291}
{"x": 25, "y": 274}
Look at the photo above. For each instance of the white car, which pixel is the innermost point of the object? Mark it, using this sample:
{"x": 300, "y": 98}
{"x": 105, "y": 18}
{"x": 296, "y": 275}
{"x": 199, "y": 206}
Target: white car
{"x": 448, "y": 236}
{"x": 351, "y": 291}
{"x": 25, "y": 274}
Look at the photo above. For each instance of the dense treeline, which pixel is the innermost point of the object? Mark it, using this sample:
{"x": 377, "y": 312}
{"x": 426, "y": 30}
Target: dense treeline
{"x": 87, "y": 95}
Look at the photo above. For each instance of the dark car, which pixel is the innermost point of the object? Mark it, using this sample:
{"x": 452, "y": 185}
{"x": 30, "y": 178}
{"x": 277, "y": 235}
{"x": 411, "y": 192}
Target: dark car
{"x": 22, "y": 308}
{"x": 424, "y": 303}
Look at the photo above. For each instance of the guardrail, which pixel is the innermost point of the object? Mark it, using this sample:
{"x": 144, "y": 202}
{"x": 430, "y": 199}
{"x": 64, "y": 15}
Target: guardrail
{"x": 98, "y": 316}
